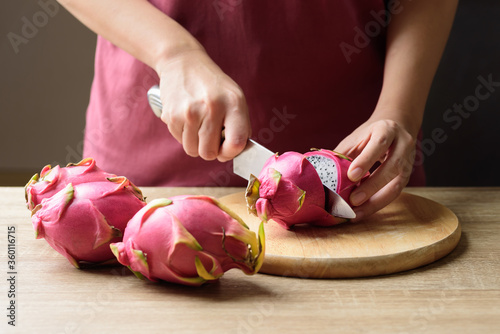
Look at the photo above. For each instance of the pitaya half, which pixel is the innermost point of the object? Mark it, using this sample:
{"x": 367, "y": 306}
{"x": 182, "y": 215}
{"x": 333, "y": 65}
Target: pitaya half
{"x": 332, "y": 169}
{"x": 291, "y": 188}
{"x": 188, "y": 240}
{"x": 81, "y": 220}
{"x": 51, "y": 180}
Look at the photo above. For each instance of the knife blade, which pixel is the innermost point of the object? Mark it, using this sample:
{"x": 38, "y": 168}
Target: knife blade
{"x": 337, "y": 206}
{"x": 252, "y": 159}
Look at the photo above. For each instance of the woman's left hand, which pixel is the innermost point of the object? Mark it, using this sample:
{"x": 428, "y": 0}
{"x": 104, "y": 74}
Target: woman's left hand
{"x": 416, "y": 37}
{"x": 381, "y": 141}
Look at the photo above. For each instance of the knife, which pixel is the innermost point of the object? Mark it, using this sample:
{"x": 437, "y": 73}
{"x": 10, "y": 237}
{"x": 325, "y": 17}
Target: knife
{"x": 249, "y": 161}
{"x": 252, "y": 159}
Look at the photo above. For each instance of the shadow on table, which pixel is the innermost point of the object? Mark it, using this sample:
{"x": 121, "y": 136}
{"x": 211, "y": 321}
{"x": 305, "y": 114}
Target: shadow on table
{"x": 231, "y": 286}
{"x": 227, "y": 288}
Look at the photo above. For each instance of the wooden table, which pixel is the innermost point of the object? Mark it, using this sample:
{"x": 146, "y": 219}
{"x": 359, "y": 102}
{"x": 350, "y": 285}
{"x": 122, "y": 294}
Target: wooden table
{"x": 458, "y": 294}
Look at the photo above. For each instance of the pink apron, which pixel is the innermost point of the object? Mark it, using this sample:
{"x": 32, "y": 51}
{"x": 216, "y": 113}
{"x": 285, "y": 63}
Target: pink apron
{"x": 311, "y": 72}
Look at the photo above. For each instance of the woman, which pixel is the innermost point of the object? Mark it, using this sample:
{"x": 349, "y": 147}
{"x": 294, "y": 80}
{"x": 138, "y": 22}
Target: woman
{"x": 346, "y": 75}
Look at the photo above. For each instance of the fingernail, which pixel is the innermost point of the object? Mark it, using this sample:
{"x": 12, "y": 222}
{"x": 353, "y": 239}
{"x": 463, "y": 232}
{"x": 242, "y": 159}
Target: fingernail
{"x": 357, "y": 198}
{"x": 356, "y": 174}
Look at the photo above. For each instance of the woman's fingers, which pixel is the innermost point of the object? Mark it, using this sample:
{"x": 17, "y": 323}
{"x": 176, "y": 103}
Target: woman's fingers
{"x": 237, "y": 129}
{"x": 379, "y": 141}
{"x": 381, "y": 198}
{"x": 199, "y": 101}
{"x": 382, "y": 142}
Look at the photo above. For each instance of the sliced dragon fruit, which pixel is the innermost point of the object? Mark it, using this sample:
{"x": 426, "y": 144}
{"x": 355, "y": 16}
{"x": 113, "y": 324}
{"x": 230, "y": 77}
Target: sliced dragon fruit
{"x": 332, "y": 169}
{"x": 291, "y": 188}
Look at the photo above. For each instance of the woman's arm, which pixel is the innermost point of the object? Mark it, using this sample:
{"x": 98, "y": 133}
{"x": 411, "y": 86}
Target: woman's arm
{"x": 198, "y": 98}
{"x": 416, "y": 38}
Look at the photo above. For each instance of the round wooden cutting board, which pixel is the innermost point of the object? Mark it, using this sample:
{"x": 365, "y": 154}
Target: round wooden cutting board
{"x": 410, "y": 232}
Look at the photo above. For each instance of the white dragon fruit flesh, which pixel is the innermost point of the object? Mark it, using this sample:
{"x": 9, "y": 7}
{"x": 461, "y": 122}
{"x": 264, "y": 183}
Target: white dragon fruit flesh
{"x": 332, "y": 169}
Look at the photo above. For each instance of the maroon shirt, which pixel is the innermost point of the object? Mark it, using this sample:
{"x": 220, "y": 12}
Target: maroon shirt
{"x": 311, "y": 72}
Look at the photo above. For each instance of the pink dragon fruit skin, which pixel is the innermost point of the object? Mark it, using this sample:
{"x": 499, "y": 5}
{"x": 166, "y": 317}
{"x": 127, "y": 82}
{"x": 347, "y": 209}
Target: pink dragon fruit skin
{"x": 51, "y": 180}
{"x": 188, "y": 240}
{"x": 80, "y": 221}
{"x": 289, "y": 189}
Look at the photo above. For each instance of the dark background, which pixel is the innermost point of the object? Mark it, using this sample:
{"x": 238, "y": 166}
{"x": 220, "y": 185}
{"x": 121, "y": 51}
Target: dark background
{"x": 470, "y": 155}
{"x": 44, "y": 90}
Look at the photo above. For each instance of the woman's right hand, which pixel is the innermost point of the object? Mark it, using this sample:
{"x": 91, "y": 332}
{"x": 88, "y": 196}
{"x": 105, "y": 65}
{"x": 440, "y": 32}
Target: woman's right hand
{"x": 199, "y": 101}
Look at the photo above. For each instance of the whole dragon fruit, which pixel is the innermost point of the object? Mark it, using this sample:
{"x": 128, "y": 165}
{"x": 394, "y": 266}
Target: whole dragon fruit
{"x": 81, "y": 220}
{"x": 51, "y": 180}
{"x": 188, "y": 240}
{"x": 290, "y": 188}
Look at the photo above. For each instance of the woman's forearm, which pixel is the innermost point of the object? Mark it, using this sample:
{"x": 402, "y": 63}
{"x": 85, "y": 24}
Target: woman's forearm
{"x": 416, "y": 38}
{"x": 135, "y": 26}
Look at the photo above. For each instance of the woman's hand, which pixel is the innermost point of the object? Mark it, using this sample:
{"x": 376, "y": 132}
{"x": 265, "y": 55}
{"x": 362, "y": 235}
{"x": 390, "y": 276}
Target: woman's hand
{"x": 199, "y": 100}
{"x": 416, "y": 37}
{"x": 381, "y": 141}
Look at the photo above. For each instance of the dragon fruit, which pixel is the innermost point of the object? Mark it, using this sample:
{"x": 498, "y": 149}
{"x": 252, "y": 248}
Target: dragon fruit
{"x": 291, "y": 188}
{"x": 81, "y": 220}
{"x": 188, "y": 240}
{"x": 332, "y": 169}
{"x": 51, "y": 180}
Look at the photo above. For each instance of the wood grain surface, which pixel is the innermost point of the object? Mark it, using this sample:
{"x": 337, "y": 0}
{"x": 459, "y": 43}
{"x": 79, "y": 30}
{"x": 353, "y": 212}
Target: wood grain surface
{"x": 410, "y": 232}
{"x": 458, "y": 294}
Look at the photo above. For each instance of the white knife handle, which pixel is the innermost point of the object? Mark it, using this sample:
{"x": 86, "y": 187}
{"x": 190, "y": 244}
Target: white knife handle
{"x": 155, "y": 100}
